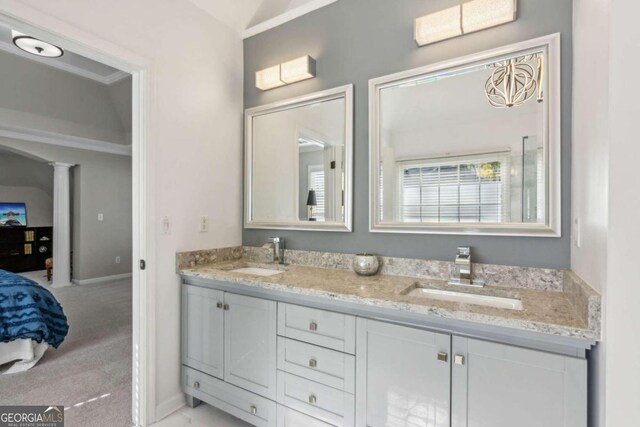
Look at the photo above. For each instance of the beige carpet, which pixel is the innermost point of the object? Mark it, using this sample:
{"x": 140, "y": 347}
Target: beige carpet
{"x": 90, "y": 373}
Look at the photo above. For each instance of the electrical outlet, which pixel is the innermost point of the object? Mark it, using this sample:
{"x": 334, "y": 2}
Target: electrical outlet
{"x": 118, "y": 260}
{"x": 100, "y": 217}
{"x": 204, "y": 224}
{"x": 166, "y": 226}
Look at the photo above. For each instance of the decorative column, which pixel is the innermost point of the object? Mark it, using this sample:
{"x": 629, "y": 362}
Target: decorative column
{"x": 61, "y": 225}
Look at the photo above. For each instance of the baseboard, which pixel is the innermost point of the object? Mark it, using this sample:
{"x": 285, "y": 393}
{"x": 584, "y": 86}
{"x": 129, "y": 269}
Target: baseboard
{"x": 101, "y": 279}
{"x": 169, "y": 406}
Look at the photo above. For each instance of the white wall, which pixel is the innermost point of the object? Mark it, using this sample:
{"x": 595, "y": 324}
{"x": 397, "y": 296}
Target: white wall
{"x": 590, "y": 168}
{"x": 39, "y": 203}
{"x": 194, "y": 134}
{"x": 622, "y": 284}
{"x": 606, "y": 197}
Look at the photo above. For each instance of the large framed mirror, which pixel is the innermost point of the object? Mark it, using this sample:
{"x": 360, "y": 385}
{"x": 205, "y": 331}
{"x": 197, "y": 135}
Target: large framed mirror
{"x": 469, "y": 146}
{"x": 299, "y": 162}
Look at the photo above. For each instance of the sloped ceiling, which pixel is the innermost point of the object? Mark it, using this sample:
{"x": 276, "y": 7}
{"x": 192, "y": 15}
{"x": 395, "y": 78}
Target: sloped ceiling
{"x": 242, "y": 15}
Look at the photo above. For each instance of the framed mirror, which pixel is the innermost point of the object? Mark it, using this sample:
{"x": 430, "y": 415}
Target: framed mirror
{"x": 299, "y": 163}
{"x": 469, "y": 146}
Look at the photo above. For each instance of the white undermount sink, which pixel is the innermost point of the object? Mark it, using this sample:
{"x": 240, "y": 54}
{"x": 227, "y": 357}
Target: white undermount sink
{"x": 466, "y": 298}
{"x": 257, "y": 271}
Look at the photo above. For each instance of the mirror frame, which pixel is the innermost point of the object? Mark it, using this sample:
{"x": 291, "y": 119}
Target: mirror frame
{"x": 552, "y": 145}
{"x": 346, "y": 225}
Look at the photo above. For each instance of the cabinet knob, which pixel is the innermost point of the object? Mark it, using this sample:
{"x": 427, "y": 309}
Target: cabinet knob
{"x": 312, "y": 399}
{"x": 313, "y": 363}
{"x": 226, "y": 307}
{"x": 196, "y": 385}
{"x": 443, "y": 357}
{"x": 219, "y": 305}
{"x": 254, "y": 410}
{"x": 458, "y": 359}
{"x": 313, "y": 326}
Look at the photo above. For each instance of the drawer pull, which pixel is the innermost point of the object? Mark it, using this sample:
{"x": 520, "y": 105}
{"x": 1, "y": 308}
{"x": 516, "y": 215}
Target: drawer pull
{"x": 196, "y": 385}
{"x": 312, "y": 399}
{"x": 219, "y": 305}
{"x": 254, "y": 410}
{"x": 313, "y": 363}
{"x": 313, "y": 326}
{"x": 458, "y": 359}
{"x": 443, "y": 357}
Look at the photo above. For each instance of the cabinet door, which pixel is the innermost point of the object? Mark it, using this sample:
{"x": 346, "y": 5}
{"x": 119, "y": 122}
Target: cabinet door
{"x": 250, "y": 344}
{"x": 403, "y": 376}
{"x": 202, "y": 329}
{"x": 504, "y": 386}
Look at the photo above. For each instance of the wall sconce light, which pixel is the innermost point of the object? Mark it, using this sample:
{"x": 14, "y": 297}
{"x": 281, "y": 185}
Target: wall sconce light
{"x": 293, "y": 71}
{"x": 465, "y": 18}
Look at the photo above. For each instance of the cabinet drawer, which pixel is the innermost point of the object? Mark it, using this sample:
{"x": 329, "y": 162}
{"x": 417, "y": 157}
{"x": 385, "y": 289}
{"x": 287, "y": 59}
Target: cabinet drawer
{"x": 289, "y": 418}
{"x": 328, "y": 367}
{"x": 324, "y": 328}
{"x": 240, "y": 403}
{"x": 317, "y": 400}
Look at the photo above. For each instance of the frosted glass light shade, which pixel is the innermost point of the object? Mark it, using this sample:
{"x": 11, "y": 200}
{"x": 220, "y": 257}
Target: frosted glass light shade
{"x": 438, "y": 26}
{"x": 462, "y": 19}
{"x": 480, "y": 14}
{"x": 269, "y": 78}
{"x": 298, "y": 69}
{"x": 35, "y": 46}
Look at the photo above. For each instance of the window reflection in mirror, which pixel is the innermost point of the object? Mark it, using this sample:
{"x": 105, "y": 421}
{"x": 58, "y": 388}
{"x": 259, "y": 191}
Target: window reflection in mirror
{"x": 451, "y": 150}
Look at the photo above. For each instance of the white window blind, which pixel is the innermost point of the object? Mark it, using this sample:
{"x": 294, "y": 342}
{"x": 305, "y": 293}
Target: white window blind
{"x": 456, "y": 190}
{"x": 316, "y": 182}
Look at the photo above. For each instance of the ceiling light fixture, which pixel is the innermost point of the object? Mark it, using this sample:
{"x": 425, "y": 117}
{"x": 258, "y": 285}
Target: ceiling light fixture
{"x": 462, "y": 19}
{"x": 293, "y": 71}
{"x": 514, "y": 81}
{"x": 35, "y": 46}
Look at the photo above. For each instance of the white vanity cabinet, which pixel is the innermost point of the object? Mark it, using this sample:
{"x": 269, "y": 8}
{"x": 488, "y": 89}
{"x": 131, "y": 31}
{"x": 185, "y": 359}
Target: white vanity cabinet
{"x": 403, "y": 376}
{"x": 273, "y": 363}
{"x": 499, "y": 385}
{"x": 229, "y": 352}
{"x": 203, "y": 329}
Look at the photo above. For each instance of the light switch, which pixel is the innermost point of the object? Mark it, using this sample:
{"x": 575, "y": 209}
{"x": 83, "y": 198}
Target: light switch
{"x": 100, "y": 217}
{"x": 166, "y": 226}
{"x": 204, "y": 224}
{"x": 577, "y": 232}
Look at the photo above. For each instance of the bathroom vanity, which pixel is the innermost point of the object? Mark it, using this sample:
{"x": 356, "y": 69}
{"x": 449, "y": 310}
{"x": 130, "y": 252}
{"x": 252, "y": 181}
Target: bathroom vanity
{"x": 303, "y": 345}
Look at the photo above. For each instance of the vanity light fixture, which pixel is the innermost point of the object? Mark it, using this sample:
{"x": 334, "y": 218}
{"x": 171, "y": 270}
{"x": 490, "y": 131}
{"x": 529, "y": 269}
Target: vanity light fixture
{"x": 464, "y": 18}
{"x": 35, "y": 46}
{"x": 293, "y": 71}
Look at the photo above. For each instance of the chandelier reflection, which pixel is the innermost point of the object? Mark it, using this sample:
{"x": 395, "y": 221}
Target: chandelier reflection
{"x": 514, "y": 81}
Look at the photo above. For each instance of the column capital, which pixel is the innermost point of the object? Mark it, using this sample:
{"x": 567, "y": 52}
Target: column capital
{"x": 62, "y": 165}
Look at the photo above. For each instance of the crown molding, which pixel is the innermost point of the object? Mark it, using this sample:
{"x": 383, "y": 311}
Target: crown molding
{"x": 62, "y": 140}
{"x": 105, "y": 80}
{"x": 285, "y": 17}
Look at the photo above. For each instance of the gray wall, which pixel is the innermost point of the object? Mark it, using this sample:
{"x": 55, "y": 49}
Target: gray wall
{"x": 101, "y": 184}
{"x": 29, "y": 181}
{"x": 356, "y": 40}
{"x": 40, "y": 97}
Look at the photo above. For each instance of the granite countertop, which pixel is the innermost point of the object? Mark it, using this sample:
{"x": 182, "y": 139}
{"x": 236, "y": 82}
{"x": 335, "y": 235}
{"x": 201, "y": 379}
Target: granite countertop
{"x": 548, "y": 312}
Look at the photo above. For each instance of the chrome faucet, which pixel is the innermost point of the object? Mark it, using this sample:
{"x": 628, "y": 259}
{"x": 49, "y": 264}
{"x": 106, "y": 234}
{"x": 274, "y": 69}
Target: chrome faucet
{"x": 462, "y": 269}
{"x": 277, "y": 243}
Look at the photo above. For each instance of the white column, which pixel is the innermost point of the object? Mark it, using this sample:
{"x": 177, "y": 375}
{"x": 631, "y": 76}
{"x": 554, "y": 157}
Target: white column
{"x": 61, "y": 225}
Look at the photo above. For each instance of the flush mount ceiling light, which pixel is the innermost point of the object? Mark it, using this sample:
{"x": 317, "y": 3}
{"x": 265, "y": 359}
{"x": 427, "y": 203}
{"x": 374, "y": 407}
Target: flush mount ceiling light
{"x": 293, "y": 71}
{"x": 35, "y": 46}
{"x": 514, "y": 81}
{"x": 465, "y": 18}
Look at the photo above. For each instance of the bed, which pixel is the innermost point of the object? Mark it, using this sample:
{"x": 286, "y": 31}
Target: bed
{"x": 31, "y": 320}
